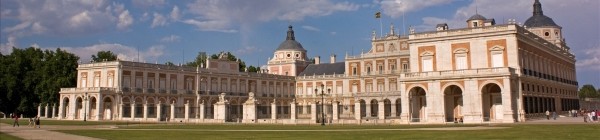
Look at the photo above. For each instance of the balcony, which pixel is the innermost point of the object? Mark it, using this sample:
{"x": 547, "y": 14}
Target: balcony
{"x": 162, "y": 91}
{"x": 88, "y": 89}
{"x": 482, "y": 72}
{"x": 126, "y": 89}
{"x": 149, "y": 90}
{"x": 139, "y": 90}
{"x": 173, "y": 91}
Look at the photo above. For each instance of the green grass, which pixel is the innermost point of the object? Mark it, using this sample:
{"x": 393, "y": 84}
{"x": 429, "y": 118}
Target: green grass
{"x": 71, "y": 122}
{"x": 4, "y": 136}
{"x": 519, "y": 131}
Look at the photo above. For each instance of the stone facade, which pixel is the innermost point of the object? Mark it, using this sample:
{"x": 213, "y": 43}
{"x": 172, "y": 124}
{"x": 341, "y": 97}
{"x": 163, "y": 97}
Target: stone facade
{"x": 482, "y": 73}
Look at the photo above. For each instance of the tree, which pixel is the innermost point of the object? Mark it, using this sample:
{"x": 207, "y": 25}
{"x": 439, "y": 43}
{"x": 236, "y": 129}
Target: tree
{"x": 588, "y": 91}
{"x": 169, "y": 63}
{"x": 253, "y": 69}
{"x": 31, "y": 77}
{"x": 201, "y": 60}
{"x": 104, "y": 56}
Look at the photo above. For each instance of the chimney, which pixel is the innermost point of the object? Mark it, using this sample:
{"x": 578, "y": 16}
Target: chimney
{"x": 317, "y": 60}
{"x": 332, "y": 59}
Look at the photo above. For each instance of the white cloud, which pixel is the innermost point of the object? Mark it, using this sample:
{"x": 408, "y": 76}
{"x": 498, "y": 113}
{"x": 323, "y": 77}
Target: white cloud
{"x": 8, "y": 47}
{"x": 123, "y": 52}
{"x": 311, "y": 28}
{"x": 125, "y": 20}
{"x": 148, "y": 3}
{"x": 591, "y": 60}
{"x": 396, "y": 8}
{"x": 61, "y": 17}
{"x": 227, "y": 15}
{"x": 159, "y": 20}
{"x": 145, "y": 16}
{"x": 333, "y": 33}
{"x": 175, "y": 13}
{"x": 171, "y": 38}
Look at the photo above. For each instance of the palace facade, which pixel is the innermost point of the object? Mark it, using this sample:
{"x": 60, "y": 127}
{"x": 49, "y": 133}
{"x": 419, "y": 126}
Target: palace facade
{"x": 486, "y": 72}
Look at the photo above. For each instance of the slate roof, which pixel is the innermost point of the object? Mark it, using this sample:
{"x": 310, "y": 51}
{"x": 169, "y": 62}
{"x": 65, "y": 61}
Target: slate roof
{"x": 324, "y": 68}
{"x": 539, "y": 19}
{"x": 477, "y": 17}
{"x": 290, "y": 42}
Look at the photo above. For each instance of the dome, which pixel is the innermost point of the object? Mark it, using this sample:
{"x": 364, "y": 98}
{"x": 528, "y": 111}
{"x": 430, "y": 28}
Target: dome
{"x": 539, "y": 19}
{"x": 477, "y": 17}
{"x": 290, "y": 42}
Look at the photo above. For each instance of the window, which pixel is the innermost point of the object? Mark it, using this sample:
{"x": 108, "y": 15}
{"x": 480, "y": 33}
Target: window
{"x": 461, "y": 61}
{"x": 393, "y": 67}
{"x": 150, "y": 83}
{"x": 405, "y": 67}
{"x": 297, "y": 55}
{"x": 138, "y": 82}
{"x": 427, "y": 64}
{"x": 126, "y": 81}
{"x": 380, "y": 69}
{"x": 110, "y": 81}
{"x": 474, "y": 24}
{"x": 497, "y": 60}
{"x": 289, "y": 55}
{"x": 368, "y": 70}
{"x": 353, "y": 70}
{"x": 84, "y": 82}
{"x": 546, "y": 34}
{"x": 173, "y": 84}
{"x": 97, "y": 81}
{"x": 162, "y": 83}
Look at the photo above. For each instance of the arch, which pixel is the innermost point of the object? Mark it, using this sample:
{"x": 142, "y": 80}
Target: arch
{"x": 162, "y": 100}
{"x": 411, "y": 87}
{"x": 107, "y": 103}
{"x": 65, "y": 107}
{"x": 374, "y": 108}
{"x": 363, "y": 108}
{"x": 125, "y": 100}
{"x": 92, "y": 106}
{"x": 417, "y": 104}
{"x": 491, "y": 101}
{"x": 398, "y": 106}
{"x": 453, "y": 103}
{"x": 387, "y": 107}
{"x": 78, "y": 107}
{"x": 461, "y": 50}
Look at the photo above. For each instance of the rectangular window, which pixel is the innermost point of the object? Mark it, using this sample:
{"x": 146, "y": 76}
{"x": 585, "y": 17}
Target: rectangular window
{"x": 355, "y": 88}
{"x": 461, "y": 61}
{"x": 427, "y": 64}
{"x": 497, "y": 59}
{"x": 126, "y": 81}
{"x": 138, "y": 82}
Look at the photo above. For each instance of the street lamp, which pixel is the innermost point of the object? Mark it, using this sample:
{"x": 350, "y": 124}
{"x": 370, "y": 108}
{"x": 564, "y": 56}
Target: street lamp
{"x": 322, "y": 103}
{"x": 85, "y": 98}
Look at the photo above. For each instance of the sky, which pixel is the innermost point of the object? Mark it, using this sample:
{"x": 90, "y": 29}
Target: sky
{"x": 157, "y": 31}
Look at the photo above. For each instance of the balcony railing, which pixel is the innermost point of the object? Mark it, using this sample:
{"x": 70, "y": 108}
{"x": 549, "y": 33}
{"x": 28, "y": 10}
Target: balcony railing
{"x": 88, "y": 89}
{"x": 457, "y": 73}
{"x": 162, "y": 91}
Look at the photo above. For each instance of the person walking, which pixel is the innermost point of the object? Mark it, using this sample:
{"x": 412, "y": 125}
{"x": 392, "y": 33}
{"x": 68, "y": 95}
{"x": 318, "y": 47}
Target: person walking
{"x": 37, "y": 122}
{"x": 593, "y": 115}
{"x": 30, "y": 122}
{"x": 16, "y": 117}
{"x": 554, "y": 115}
{"x": 547, "y": 115}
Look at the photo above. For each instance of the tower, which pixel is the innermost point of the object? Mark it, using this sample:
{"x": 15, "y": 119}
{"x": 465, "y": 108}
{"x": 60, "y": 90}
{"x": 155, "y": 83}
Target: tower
{"x": 289, "y": 58}
{"x": 544, "y": 26}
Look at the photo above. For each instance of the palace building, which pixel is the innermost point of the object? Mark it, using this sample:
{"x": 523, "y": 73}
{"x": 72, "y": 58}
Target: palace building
{"x": 483, "y": 72}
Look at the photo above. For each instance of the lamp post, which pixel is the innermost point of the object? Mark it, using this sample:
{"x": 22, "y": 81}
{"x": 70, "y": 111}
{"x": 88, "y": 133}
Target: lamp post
{"x": 85, "y": 98}
{"x": 322, "y": 103}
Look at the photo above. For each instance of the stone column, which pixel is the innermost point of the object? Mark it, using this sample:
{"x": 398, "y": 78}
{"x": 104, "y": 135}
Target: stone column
{"x": 46, "y": 111}
{"x": 273, "y": 110}
{"x": 120, "y": 111}
{"x": 158, "y": 110}
{"x": 99, "y": 109}
{"x": 367, "y": 109}
{"x": 187, "y": 111}
{"x": 221, "y": 111}
{"x": 145, "y": 111}
{"x": 313, "y": 112}
{"x": 60, "y": 110}
{"x": 357, "y": 110}
{"x": 172, "y": 111}
{"x": 392, "y": 109}
{"x": 39, "y": 110}
{"x": 249, "y": 111}
{"x": 293, "y": 110}
{"x": 381, "y": 110}
{"x": 335, "y": 110}
{"x": 132, "y": 110}
{"x": 53, "y": 110}
{"x": 201, "y": 111}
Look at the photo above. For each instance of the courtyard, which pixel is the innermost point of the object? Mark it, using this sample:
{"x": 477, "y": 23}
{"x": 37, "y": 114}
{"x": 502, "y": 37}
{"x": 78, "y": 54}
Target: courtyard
{"x": 562, "y": 128}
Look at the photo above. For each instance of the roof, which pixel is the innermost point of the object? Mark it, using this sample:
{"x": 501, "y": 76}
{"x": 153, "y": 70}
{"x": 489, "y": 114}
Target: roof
{"x": 539, "y": 19}
{"x": 441, "y": 25}
{"x": 477, "y": 17}
{"x": 290, "y": 42}
{"x": 324, "y": 69}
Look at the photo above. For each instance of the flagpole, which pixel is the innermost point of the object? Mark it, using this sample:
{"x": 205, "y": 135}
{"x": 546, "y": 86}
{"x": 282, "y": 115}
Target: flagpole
{"x": 380, "y": 28}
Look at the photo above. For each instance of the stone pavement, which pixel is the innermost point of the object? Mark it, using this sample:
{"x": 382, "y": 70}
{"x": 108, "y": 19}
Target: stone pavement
{"x": 44, "y": 133}
{"x": 559, "y": 120}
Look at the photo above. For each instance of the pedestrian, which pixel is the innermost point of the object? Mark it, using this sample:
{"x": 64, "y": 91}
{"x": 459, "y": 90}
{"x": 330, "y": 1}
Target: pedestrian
{"x": 593, "y": 115}
{"x": 30, "y": 122}
{"x": 554, "y": 115}
{"x": 547, "y": 115}
{"x": 575, "y": 113}
{"x": 37, "y": 122}
{"x": 16, "y": 117}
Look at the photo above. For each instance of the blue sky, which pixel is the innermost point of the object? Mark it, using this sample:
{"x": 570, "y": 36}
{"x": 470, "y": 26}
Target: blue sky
{"x": 175, "y": 31}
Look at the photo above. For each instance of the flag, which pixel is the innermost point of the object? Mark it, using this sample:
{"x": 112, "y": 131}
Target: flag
{"x": 378, "y": 15}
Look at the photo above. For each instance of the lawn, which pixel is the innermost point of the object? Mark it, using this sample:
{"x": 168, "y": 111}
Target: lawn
{"x": 4, "y": 136}
{"x": 513, "y": 131}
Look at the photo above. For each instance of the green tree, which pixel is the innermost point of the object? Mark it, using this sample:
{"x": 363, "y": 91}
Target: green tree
{"x": 201, "y": 60}
{"x": 104, "y": 56}
{"x": 31, "y": 77}
{"x": 169, "y": 63}
{"x": 253, "y": 69}
{"x": 588, "y": 91}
